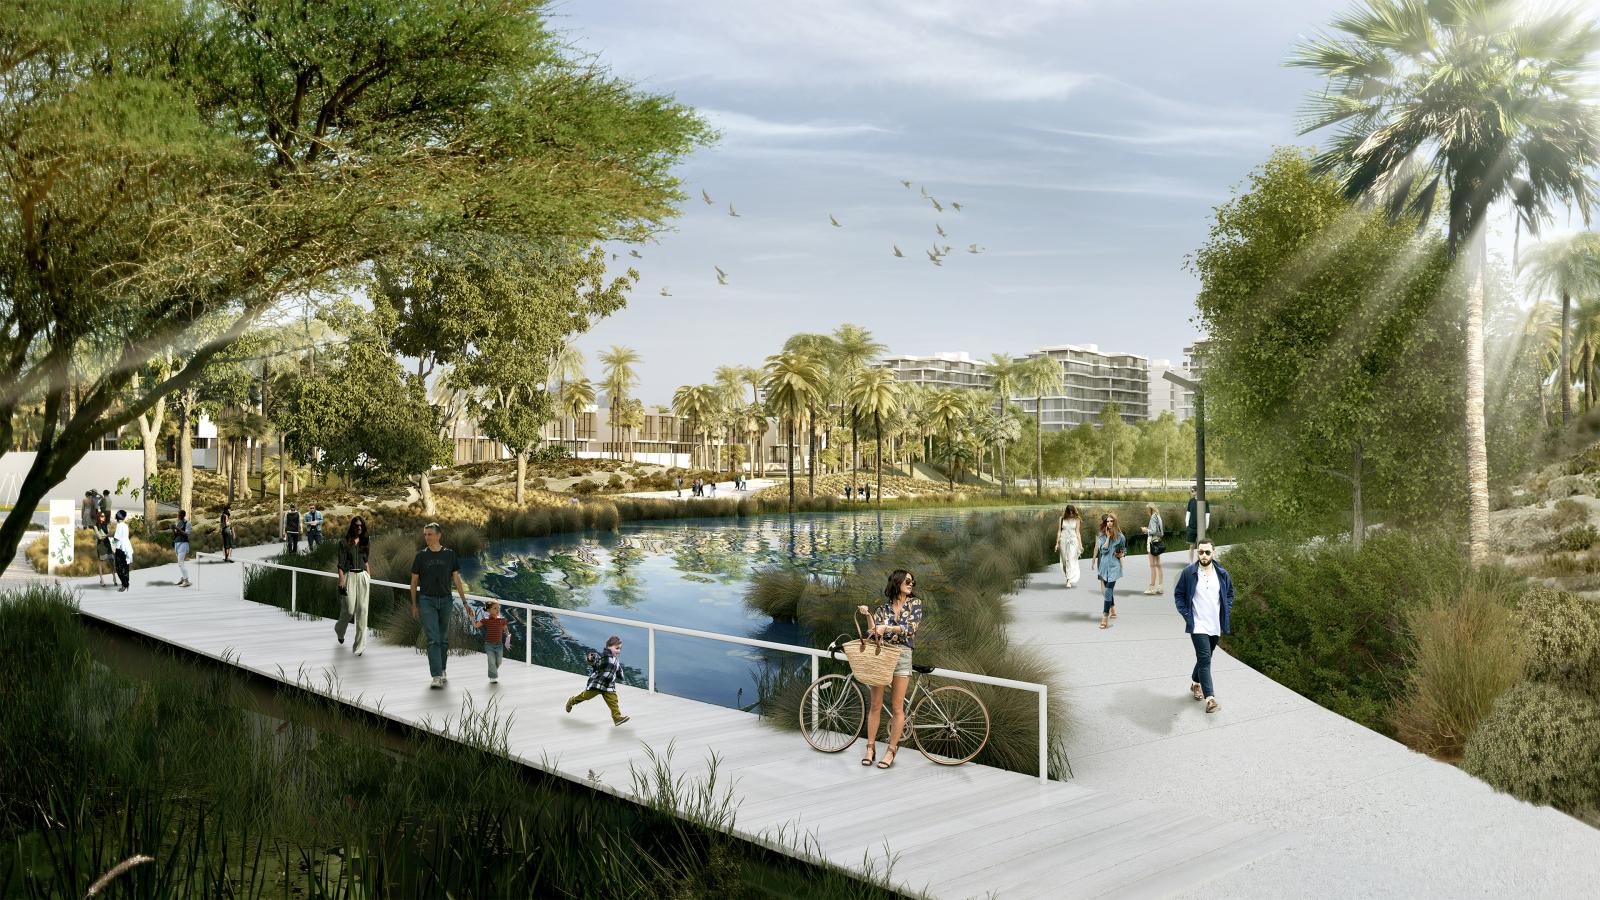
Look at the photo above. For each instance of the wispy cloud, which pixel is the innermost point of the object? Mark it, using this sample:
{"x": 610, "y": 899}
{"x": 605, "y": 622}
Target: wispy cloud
{"x": 735, "y": 125}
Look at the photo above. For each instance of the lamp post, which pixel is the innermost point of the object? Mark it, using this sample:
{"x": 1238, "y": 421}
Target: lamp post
{"x": 1199, "y": 448}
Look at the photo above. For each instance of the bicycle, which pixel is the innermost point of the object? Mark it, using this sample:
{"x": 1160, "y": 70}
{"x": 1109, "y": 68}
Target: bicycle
{"x": 949, "y": 724}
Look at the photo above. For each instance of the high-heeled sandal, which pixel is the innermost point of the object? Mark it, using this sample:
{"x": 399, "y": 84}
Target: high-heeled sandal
{"x": 888, "y": 758}
{"x": 872, "y": 754}
{"x": 1104, "y": 623}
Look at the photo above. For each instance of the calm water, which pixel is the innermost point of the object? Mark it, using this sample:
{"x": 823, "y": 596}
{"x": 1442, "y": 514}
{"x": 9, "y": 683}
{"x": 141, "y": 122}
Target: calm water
{"x": 686, "y": 572}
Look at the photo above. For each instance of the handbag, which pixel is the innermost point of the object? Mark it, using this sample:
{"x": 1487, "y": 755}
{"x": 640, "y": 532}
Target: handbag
{"x": 872, "y": 661}
{"x": 1157, "y": 545}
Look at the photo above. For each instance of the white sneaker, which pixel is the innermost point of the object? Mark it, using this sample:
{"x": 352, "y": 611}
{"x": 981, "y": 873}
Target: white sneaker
{"x": 493, "y": 678}
{"x": 437, "y": 682}
{"x": 361, "y": 651}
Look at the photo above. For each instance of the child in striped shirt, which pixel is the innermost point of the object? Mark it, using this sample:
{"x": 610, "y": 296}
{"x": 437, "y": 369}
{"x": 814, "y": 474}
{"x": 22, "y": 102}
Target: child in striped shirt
{"x": 496, "y": 638}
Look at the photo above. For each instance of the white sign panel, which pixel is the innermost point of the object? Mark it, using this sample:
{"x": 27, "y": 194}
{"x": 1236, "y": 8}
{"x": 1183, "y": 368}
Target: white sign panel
{"x": 63, "y": 525}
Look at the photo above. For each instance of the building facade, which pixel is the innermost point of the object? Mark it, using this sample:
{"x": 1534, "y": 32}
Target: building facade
{"x": 1166, "y": 397}
{"x": 1091, "y": 379}
{"x": 941, "y": 370}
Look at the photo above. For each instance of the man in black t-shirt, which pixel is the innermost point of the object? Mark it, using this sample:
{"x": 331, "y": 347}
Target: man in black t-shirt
{"x": 291, "y": 528}
{"x": 433, "y": 572}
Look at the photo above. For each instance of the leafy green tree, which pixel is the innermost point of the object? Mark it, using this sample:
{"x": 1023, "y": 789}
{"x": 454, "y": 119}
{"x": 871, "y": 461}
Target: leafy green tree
{"x": 1332, "y": 364}
{"x": 1474, "y": 102}
{"x": 1117, "y": 439}
{"x": 363, "y": 417}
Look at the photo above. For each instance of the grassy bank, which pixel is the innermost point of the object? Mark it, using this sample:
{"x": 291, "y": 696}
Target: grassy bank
{"x": 963, "y": 577}
{"x": 301, "y": 797}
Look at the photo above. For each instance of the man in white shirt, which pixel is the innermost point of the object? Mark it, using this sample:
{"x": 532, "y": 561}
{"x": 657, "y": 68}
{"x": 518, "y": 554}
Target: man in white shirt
{"x": 122, "y": 548}
{"x": 1204, "y": 597}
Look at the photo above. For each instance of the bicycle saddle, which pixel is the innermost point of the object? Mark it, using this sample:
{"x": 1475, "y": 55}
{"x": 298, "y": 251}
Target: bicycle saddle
{"x": 924, "y": 670}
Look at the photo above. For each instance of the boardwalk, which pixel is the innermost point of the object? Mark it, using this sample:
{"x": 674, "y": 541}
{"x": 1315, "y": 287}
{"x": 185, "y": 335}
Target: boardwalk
{"x": 952, "y": 833}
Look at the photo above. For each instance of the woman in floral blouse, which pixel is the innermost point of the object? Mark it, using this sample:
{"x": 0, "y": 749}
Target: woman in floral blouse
{"x": 896, "y": 619}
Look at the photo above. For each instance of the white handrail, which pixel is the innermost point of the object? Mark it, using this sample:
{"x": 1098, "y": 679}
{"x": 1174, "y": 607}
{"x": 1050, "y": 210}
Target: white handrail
{"x": 652, "y": 627}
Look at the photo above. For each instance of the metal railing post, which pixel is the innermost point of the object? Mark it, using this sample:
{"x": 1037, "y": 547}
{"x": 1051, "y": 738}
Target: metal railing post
{"x": 241, "y": 584}
{"x": 294, "y": 583}
{"x": 527, "y": 637}
{"x": 652, "y": 675}
{"x": 1044, "y": 735}
{"x": 815, "y": 672}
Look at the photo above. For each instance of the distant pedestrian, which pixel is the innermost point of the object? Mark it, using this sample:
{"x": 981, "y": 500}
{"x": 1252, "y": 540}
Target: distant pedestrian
{"x": 847, "y": 492}
{"x": 105, "y": 504}
{"x": 313, "y": 523}
{"x": 225, "y": 525}
{"x": 713, "y": 488}
{"x": 433, "y": 571}
{"x": 122, "y": 549}
{"x": 291, "y": 528}
{"x": 1156, "y": 544}
{"x": 867, "y": 491}
{"x": 1204, "y": 597}
{"x": 91, "y": 509}
{"x": 355, "y": 582}
{"x": 678, "y": 483}
{"x": 104, "y": 556}
{"x": 1069, "y": 543}
{"x": 1109, "y": 547}
{"x": 604, "y": 669}
{"x": 1191, "y": 520}
{"x": 181, "y": 531}
{"x": 496, "y": 638}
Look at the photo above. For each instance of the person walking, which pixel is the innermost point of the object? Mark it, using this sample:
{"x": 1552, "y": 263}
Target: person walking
{"x": 1191, "y": 520}
{"x": 181, "y": 530}
{"x": 1204, "y": 597}
{"x": 122, "y": 549}
{"x": 225, "y": 525}
{"x": 91, "y": 509}
{"x": 105, "y": 504}
{"x": 291, "y": 528}
{"x": 1109, "y": 548}
{"x": 604, "y": 669}
{"x": 104, "y": 557}
{"x": 1069, "y": 543}
{"x": 678, "y": 482}
{"x": 496, "y": 638}
{"x": 313, "y": 523}
{"x": 433, "y": 571}
{"x": 1156, "y": 544}
{"x": 895, "y": 621}
{"x": 355, "y": 582}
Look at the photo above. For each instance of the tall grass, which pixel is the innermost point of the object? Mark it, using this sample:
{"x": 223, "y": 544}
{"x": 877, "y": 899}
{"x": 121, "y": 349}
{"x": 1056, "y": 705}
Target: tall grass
{"x": 1465, "y": 651}
{"x": 298, "y": 796}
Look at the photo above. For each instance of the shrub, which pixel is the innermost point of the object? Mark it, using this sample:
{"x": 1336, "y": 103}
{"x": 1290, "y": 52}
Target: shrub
{"x": 1568, "y": 513}
{"x": 1578, "y": 538}
{"x": 1329, "y": 622}
{"x": 1563, "y": 637}
{"x": 585, "y": 487}
{"x": 1465, "y": 651}
{"x": 1541, "y": 743}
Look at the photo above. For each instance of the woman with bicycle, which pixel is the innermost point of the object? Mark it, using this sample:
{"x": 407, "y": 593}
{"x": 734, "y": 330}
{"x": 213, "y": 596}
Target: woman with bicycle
{"x": 895, "y": 621}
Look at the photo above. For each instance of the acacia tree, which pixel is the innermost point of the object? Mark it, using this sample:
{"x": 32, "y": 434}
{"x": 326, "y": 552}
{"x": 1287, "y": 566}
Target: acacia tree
{"x": 166, "y": 162}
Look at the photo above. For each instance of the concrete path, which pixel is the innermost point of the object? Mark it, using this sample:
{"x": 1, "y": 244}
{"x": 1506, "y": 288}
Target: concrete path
{"x": 1365, "y": 815}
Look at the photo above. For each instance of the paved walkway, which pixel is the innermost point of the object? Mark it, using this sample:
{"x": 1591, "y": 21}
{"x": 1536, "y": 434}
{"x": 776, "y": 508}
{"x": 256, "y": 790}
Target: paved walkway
{"x": 1365, "y": 815}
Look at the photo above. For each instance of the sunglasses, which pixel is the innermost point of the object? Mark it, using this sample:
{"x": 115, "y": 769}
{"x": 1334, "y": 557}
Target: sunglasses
{"x": 1203, "y": 552}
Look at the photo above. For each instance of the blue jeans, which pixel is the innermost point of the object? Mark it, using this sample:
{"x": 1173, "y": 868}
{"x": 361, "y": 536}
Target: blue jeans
{"x": 495, "y": 652}
{"x": 1110, "y": 600}
{"x": 436, "y": 624}
{"x": 1204, "y": 644}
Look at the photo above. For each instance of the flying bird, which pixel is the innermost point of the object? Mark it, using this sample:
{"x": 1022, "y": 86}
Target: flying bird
{"x": 933, "y": 257}
{"x": 923, "y": 191}
{"x": 722, "y": 277}
{"x": 906, "y": 183}
{"x": 834, "y": 221}
{"x": 665, "y": 292}
{"x": 635, "y": 254}
{"x": 974, "y": 248}
{"x": 940, "y": 230}
{"x": 945, "y": 251}
{"x": 733, "y": 212}
{"x": 705, "y": 196}
{"x": 956, "y": 205}
{"x": 897, "y": 251}
{"x": 613, "y": 257}
{"x": 936, "y": 204}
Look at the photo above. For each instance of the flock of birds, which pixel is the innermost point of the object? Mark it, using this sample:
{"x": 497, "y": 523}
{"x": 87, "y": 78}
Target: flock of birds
{"x": 936, "y": 253}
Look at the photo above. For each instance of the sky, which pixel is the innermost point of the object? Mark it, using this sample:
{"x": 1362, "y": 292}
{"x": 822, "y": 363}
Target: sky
{"x": 1087, "y": 141}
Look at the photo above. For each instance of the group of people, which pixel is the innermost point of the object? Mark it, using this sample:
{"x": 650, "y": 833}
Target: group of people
{"x": 1203, "y": 594}
{"x": 702, "y": 487}
{"x": 864, "y": 492}
{"x": 113, "y": 540}
{"x": 311, "y": 522}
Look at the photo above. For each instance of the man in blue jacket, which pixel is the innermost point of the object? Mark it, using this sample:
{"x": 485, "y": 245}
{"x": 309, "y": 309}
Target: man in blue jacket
{"x": 1204, "y": 597}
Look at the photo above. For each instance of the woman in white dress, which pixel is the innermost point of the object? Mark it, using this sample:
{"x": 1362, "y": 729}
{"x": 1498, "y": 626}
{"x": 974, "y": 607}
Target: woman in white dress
{"x": 1069, "y": 543}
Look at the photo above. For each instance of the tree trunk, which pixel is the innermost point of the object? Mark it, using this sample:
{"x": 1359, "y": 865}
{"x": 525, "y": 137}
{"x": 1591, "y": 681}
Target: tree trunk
{"x": 1565, "y": 366}
{"x": 877, "y": 429}
{"x": 853, "y": 439}
{"x": 791, "y": 465}
{"x": 186, "y": 456}
{"x": 149, "y": 435}
{"x": 522, "y": 477}
{"x": 1477, "y": 444}
{"x": 1038, "y": 446}
{"x": 811, "y": 452}
{"x": 225, "y": 463}
{"x": 1358, "y": 515}
{"x": 425, "y": 488}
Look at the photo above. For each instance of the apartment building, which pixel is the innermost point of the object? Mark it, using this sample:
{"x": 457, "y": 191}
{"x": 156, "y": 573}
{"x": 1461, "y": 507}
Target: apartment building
{"x": 1091, "y": 379}
{"x": 940, "y": 370}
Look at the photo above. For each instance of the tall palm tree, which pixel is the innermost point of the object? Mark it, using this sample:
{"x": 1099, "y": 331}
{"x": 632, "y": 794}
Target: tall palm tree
{"x": 620, "y": 378}
{"x": 1569, "y": 266}
{"x": 566, "y": 366}
{"x": 854, "y": 350}
{"x": 752, "y": 423}
{"x": 947, "y": 410}
{"x": 1586, "y": 338}
{"x": 822, "y": 350}
{"x": 1039, "y": 376}
{"x": 1487, "y": 99}
{"x": 1002, "y": 372}
{"x": 793, "y": 384}
{"x": 695, "y": 404}
{"x": 577, "y": 395}
{"x": 1541, "y": 335}
{"x": 875, "y": 393}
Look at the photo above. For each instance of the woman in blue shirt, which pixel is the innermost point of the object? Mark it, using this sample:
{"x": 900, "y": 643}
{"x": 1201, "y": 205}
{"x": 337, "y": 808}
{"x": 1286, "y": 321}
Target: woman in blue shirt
{"x": 1109, "y": 547}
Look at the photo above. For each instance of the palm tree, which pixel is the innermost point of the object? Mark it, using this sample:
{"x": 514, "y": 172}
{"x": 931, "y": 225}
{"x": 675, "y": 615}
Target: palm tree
{"x": 620, "y": 378}
{"x": 821, "y": 349}
{"x": 752, "y": 421}
{"x": 875, "y": 393}
{"x": 576, "y": 396}
{"x": 1489, "y": 99}
{"x": 1541, "y": 333}
{"x": 1569, "y": 266}
{"x": 1002, "y": 372}
{"x": 1040, "y": 376}
{"x": 854, "y": 350}
{"x": 694, "y": 403}
{"x": 1586, "y": 338}
{"x": 566, "y": 366}
{"x": 793, "y": 384}
{"x": 947, "y": 409}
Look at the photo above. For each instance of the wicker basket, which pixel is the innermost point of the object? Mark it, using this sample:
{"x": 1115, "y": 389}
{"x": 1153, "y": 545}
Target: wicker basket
{"x": 872, "y": 661}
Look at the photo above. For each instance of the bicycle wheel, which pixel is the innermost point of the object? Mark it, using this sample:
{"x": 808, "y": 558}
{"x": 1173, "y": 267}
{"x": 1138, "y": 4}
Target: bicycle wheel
{"x": 831, "y": 713}
{"x": 950, "y": 725}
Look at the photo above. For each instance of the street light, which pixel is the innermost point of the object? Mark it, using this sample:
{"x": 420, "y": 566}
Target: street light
{"x": 1199, "y": 448}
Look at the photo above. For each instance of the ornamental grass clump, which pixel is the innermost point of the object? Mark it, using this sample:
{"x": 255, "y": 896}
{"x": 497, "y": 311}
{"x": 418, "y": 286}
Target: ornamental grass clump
{"x": 1466, "y": 651}
{"x": 1541, "y": 743}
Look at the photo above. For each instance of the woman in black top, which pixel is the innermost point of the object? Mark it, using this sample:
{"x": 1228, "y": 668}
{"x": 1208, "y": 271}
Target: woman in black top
{"x": 355, "y": 582}
{"x": 225, "y": 523}
{"x": 102, "y": 546}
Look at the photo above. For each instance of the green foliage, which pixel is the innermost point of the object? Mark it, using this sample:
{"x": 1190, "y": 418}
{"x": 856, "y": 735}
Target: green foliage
{"x": 1563, "y": 639}
{"x": 1541, "y": 744}
{"x": 1567, "y": 513}
{"x": 1578, "y": 538}
{"x": 1329, "y": 622}
{"x": 1336, "y": 351}
{"x": 1465, "y": 652}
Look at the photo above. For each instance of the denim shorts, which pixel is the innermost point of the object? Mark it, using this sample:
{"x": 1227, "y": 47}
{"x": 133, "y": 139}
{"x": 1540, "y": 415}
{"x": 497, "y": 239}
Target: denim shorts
{"x": 902, "y": 669}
